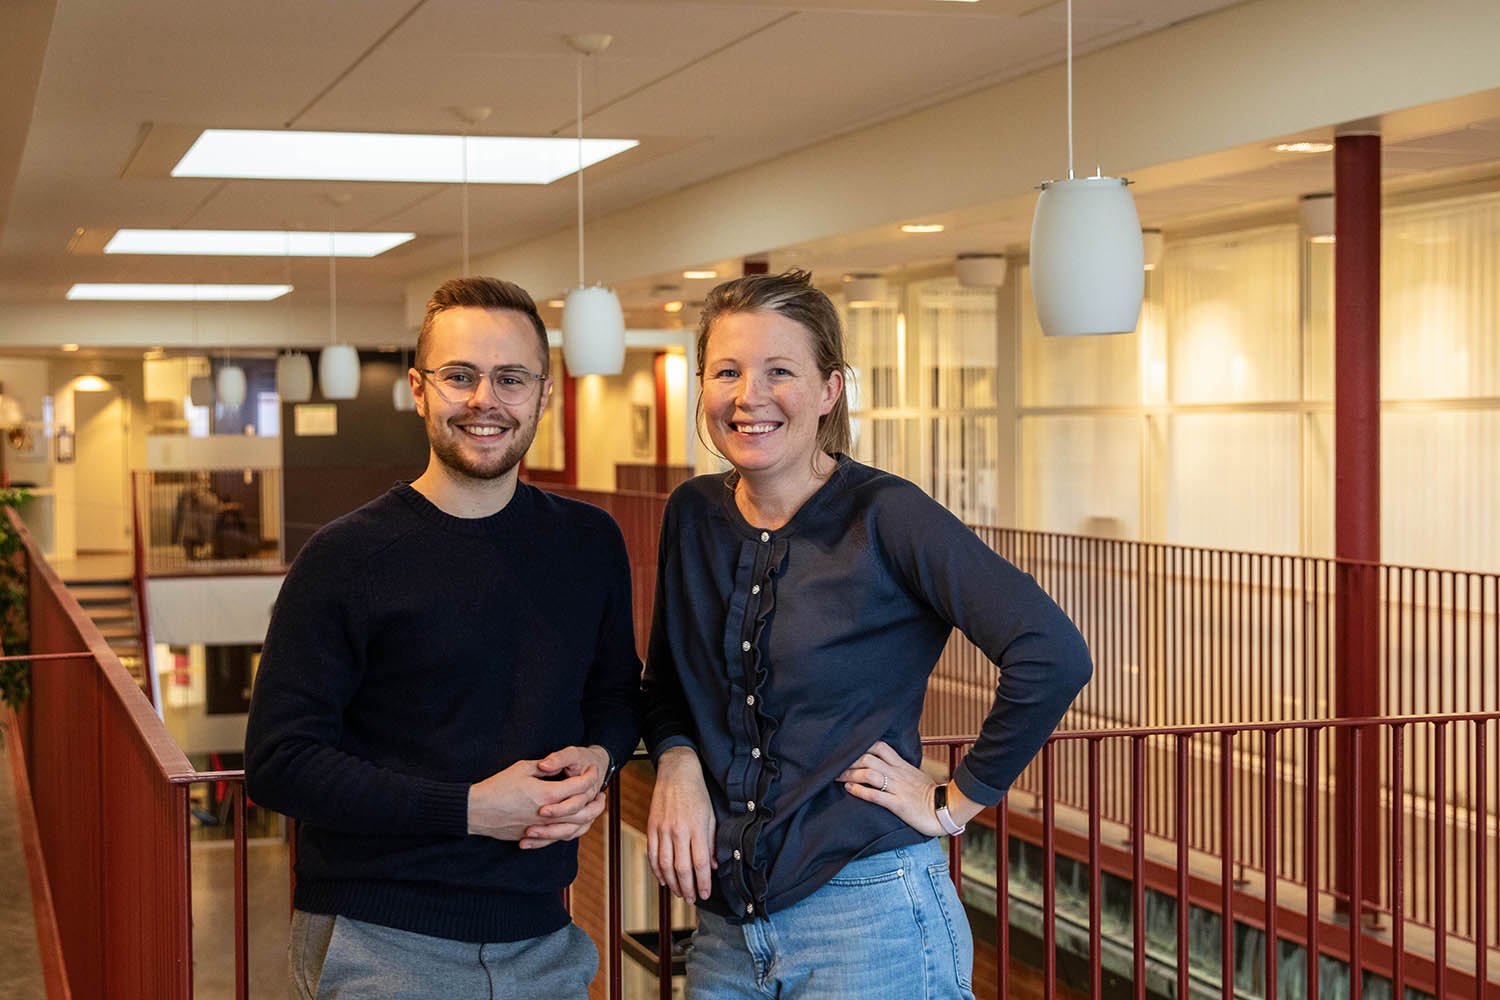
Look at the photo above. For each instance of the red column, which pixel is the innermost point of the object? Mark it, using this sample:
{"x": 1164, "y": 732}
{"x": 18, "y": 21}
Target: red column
{"x": 1357, "y": 683}
{"x": 659, "y": 374}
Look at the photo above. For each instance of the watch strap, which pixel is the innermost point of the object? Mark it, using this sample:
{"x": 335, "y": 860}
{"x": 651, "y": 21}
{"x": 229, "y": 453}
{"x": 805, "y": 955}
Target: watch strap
{"x": 944, "y": 817}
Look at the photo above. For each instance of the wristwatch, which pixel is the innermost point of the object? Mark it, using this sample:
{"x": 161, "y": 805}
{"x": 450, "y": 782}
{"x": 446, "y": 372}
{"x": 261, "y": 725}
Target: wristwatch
{"x": 609, "y": 772}
{"x": 945, "y": 818}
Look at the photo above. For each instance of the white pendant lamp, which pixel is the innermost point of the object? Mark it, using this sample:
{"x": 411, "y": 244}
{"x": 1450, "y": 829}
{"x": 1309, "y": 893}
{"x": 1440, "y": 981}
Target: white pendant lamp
{"x": 1317, "y": 217}
{"x": 980, "y": 270}
{"x": 201, "y": 390}
{"x": 1087, "y": 265}
{"x": 401, "y": 397}
{"x": 294, "y": 379}
{"x": 230, "y": 385}
{"x": 593, "y": 324}
{"x": 338, "y": 366}
{"x": 1153, "y": 248}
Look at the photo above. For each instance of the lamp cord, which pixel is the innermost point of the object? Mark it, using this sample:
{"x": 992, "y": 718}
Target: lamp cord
{"x": 1070, "y": 89}
{"x": 464, "y": 201}
{"x": 579, "y": 94}
{"x": 333, "y": 279}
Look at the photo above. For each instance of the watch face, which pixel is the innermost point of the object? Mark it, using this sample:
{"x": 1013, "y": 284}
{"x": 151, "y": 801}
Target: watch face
{"x": 940, "y": 797}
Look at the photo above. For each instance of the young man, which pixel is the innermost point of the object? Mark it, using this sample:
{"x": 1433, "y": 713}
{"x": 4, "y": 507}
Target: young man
{"x": 448, "y": 682}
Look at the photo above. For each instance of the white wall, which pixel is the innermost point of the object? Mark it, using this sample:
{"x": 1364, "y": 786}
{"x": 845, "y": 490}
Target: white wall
{"x": 214, "y": 610}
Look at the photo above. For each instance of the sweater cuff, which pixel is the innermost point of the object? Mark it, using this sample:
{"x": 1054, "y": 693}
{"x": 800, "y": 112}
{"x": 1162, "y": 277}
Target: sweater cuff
{"x": 974, "y": 789}
{"x": 671, "y": 743}
{"x": 444, "y": 807}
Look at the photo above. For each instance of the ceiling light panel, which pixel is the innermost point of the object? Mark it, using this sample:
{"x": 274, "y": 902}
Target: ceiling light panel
{"x": 176, "y": 293}
{"x": 251, "y": 243}
{"x": 373, "y": 156}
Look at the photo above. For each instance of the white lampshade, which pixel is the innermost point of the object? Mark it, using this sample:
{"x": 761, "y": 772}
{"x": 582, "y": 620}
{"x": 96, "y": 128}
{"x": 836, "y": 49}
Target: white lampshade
{"x": 980, "y": 270}
{"x": 1087, "y": 268}
{"x": 338, "y": 372}
{"x": 201, "y": 390}
{"x": 1153, "y": 247}
{"x": 231, "y": 385}
{"x": 864, "y": 289}
{"x": 294, "y": 377}
{"x": 593, "y": 329}
{"x": 401, "y": 397}
{"x": 1317, "y": 217}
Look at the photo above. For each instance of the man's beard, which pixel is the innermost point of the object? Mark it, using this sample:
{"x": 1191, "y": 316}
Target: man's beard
{"x": 449, "y": 449}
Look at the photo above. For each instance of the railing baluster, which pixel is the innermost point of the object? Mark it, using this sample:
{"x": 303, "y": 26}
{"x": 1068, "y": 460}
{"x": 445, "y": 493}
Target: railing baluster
{"x": 1096, "y": 934}
{"x": 1049, "y": 875}
{"x": 1184, "y": 749}
{"x": 1271, "y": 789}
{"x": 1226, "y": 863}
{"x": 1312, "y": 790}
{"x": 1138, "y": 865}
{"x": 1398, "y": 861}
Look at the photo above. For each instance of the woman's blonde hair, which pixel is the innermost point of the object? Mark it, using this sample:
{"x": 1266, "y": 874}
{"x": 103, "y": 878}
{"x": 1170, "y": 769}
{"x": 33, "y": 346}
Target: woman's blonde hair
{"x": 791, "y": 295}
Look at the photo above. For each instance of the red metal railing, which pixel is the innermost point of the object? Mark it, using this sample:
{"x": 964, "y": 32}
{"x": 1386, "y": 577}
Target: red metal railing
{"x": 142, "y": 604}
{"x": 1236, "y": 818}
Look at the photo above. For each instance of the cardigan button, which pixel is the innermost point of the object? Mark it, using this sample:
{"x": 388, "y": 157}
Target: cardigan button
{"x": 750, "y": 805}
{"x": 749, "y": 699}
{"x": 745, "y": 645}
{"x": 765, "y": 536}
{"x": 736, "y": 854}
{"x": 755, "y": 752}
{"x": 749, "y": 907}
{"x": 755, "y": 589}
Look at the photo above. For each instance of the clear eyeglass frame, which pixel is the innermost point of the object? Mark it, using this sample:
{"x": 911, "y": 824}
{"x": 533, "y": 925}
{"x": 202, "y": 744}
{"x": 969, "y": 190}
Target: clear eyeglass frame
{"x": 511, "y": 384}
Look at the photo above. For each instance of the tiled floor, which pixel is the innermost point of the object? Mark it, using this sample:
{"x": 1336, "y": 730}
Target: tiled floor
{"x": 22, "y": 978}
{"x": 213, "y": 919}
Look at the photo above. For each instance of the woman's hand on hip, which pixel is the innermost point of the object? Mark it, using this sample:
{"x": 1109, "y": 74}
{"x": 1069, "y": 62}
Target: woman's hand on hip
{"x": 882, "y": 776}
{"x": 680, "y": 829}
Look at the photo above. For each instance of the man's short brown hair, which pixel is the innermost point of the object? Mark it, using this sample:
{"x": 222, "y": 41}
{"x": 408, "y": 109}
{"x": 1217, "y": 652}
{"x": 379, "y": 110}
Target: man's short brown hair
{"x": 482, "y": 292}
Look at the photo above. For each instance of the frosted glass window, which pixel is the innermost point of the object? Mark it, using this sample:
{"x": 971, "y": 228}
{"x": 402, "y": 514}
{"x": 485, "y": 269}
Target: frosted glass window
{"x": 1440, "y": 311}
{"x": 1073, "y": 371}
{"x": 1233, "y": 481}
{"x": 1081, "y": 475}
{"x": 1440, "y": 489}
{"x": 1234, "y": 317}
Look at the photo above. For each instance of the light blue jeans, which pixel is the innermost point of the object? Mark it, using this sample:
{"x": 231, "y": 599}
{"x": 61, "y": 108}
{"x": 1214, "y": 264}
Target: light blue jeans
{"x": 887, "y": 927}
{"x": 335, "y": 958}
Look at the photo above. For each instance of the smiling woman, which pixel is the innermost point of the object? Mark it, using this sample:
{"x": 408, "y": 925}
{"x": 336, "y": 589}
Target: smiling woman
{"x": 803, "y": 601}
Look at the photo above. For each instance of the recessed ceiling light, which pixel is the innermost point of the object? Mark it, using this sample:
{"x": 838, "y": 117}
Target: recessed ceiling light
{"x": 922, "y": 227}
{"x": 69, "y": 348}
{"x": 557, "y": 303}
{"x": 90, "y": 383}
{"x": 177, "y": 293}
{"x": 1303, "y": 147}
{"x": 700, "y": 274}
{"x": 251, "y": 243}
{"x": 675, "y": 306}
{"x": 375, "y": 156}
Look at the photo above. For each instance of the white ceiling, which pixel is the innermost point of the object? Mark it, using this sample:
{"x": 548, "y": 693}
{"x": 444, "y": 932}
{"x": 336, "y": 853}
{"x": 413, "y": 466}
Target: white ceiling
{"x": 708, "y": 86}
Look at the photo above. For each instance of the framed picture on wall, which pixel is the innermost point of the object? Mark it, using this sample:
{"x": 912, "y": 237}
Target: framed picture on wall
{"x": 64, "y": 445}
{"x": 640, "y": 430}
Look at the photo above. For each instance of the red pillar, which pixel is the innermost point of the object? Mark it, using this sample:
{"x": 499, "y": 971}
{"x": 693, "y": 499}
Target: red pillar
{"x": 1357, "y": 683}
{"x": 659, "y": 374}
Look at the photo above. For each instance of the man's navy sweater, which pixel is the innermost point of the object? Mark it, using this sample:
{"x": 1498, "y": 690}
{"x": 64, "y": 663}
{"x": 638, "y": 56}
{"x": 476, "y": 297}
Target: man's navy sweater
{"x": 412, "y": 654}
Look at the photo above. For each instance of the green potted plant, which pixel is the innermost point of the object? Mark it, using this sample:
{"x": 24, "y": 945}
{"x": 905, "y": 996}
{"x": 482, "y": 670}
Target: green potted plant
{"x": 15, "y": 638}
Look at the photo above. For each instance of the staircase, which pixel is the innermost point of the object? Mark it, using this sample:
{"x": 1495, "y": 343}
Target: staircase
{"x": 111, "y": 605}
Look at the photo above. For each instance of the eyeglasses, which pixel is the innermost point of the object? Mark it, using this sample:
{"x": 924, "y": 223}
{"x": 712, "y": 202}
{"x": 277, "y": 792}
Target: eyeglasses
{"x": 458, "y": 383}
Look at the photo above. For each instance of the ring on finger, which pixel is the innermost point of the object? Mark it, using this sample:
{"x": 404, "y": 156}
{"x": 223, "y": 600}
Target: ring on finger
{"x": 885, "y": 782}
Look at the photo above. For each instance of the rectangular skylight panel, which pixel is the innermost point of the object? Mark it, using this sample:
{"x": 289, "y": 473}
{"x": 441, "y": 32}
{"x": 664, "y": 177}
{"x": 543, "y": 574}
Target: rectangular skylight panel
{"x": 176, "y": 293}
{"x": 372, "y": 156}
{"x": 250, "y": 243}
